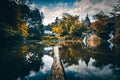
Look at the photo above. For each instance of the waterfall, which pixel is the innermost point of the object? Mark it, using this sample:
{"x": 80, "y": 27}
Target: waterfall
{"x": 111, "y": 36}
{"x": 84, "y": 40}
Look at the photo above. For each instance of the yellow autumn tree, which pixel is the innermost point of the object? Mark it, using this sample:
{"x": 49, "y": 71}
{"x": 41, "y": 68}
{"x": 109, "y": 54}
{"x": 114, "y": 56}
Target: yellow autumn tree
{"x": 68, "y": 25}
{"x": 21, "y": 25}
{"x": 57, "y": 29}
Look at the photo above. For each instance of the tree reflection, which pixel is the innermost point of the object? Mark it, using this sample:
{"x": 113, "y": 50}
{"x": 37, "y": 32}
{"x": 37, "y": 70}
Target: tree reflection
{"x": 71, "y": 53}
{"x": 18, "y": 61}
{"x": 57, "y": 70}
{"x": 15, "y": 61}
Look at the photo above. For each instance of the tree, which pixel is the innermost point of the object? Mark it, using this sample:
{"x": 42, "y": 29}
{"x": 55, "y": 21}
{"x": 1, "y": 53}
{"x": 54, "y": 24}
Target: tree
{"x": 35, "y": 24}
{"x": 116, "y": 15}
{"x": 11, "y": 15}
{"x": 68, "y": 25}
{"x": 100, "y": 25}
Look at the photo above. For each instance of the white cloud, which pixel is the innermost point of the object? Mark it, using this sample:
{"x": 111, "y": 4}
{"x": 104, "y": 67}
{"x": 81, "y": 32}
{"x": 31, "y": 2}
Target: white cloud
{"x": 82, "y": 70}
{"x": 51, "y": 14}
{"x": 81, "y": 8}
{"x": 32, "y": 73}
{"x": 32, "y": 6}
{"x": 48, "y": 61}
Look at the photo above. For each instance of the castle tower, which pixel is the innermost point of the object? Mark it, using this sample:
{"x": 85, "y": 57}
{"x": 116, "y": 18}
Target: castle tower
{"x": 87, "y": 22}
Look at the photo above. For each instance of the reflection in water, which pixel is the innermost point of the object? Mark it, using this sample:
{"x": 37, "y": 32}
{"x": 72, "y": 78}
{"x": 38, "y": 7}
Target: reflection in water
{"x": 111, "y": 37}
{"x": 83, "y": 64}
{"x": 35, "y": 62}
{"x": 57, "y": 71}
{"x": 88, "y": 72}
{"x": 44, "y": 72}
{"x": 17, "y": 61}
{"x": 48, "y": 48}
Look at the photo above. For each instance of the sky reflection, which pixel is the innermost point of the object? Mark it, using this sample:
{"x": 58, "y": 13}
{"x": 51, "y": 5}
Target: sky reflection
{"x": 88, "y": 72}
{"x": 44, "y": 72}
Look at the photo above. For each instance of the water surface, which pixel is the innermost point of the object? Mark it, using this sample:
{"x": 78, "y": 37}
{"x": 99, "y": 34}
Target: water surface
{"x": 79, "y": 62}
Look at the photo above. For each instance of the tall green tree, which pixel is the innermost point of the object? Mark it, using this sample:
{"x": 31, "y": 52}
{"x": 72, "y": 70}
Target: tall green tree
{"x": 35, "y": 24}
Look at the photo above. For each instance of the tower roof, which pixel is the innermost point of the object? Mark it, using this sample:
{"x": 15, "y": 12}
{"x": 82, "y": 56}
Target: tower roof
{"x": 87, "y": 18}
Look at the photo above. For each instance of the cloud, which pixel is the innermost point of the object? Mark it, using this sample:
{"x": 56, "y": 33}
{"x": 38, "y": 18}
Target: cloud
{"x": 48, "y": 61}
{"x": 32, "y": 6}
{"x": 82, "y": 70}
{"x": 92, "y": 7}
{"x": 51, "y": 14}
{"x": 81, "y": 8}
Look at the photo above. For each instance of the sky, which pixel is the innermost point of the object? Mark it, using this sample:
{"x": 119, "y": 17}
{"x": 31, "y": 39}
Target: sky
{"x": 56, "y": 8}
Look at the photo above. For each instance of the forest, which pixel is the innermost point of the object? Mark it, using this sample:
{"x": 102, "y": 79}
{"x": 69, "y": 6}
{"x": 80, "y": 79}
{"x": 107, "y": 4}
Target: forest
{"x": 68, "y": 48}
{"x": 18, "y": 22}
